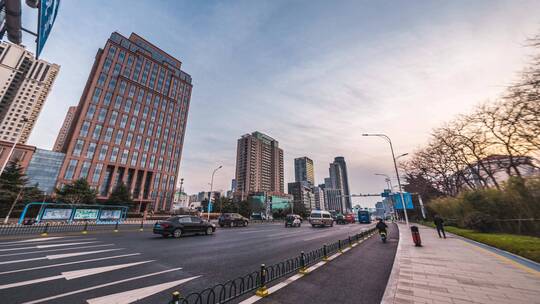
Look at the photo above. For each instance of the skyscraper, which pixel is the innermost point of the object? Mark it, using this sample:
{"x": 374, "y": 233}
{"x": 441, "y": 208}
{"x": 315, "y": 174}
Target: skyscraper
{"x": 303, "y": 170}
{"x": 24, "y": 85}
{"x": 340, "y": 180}
{"x": 62, "y": 134}
{"x": 130, "y": 123}
{"x": 259, "y": 165}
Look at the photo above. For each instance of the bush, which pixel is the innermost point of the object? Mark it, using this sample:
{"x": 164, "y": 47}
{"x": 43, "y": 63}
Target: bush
{"x": 479, "y": 221}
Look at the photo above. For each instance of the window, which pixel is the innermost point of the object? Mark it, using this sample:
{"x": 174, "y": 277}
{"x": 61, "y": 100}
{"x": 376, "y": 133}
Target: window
{"x": 123, "y": 159}
{"x": 132, "y": 124}
{"x": 114, "y": 154}
{"x": 154, "y": 113}
{"x": 137, "y": 109}
{"x": 107, "y": 99}
{"x": 70, "y": 169}
{"x": 129, "y": 138}
{"x": 158, "y": 131}
{"x": 121, "y": 56}
{"x": 79, "y": 145}
{"x": 101, "y": 79}
{"x": 103, "y": 152}
{"x": 102, "y": 115}
{"x": 90, "y": 112}
{"x": 112, "y": 119}
{"x": 138, "y": 141}
{"x": 91, "y": 150}
{"x": 123, "y": 121}
{"x": 142, "y": 125}
{"x": 134, "y": 157}
{"x": 160, "y": 163}
{"x": 150, "y": 129}
{"x": 97, "y": 132}
{"x": 117, "y": 68}
{"x": 107, "y": 65}
{"x": 143, "y": 160}
{"x": 127, "y": 105}
{"x": 84, "y": 169}
{"x": 118, "y": 102}
{"x": 131, "y": 92}
{"x": 97, "y": 173}
{"x": 112, "y": 84}
{"x": 84, "y": 129}
{"x": 119, "y": 136}
{"x": 146, "y": 144}
{"x": 108, "y": 134}
{"x": 122, "y": 89}
{"x": 152, "y": 161}
{"x": 112, "y": 51}
{"x": 138, "y": 66}
{"x": 145, "y": 112}
{"x": 155, "y": 146}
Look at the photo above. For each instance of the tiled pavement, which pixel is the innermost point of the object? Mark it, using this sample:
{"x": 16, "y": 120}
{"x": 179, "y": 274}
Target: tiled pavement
{"x": 455, "y": 271}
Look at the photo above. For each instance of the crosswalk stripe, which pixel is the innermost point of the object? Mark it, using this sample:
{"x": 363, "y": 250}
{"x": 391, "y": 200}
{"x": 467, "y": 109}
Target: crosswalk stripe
{"x": 47, "y": 246}
{"x": 100, "y": 286}
{"x": 59, "y": 256}
{"x": 70, "y": 275}
{"x": 33, "y": 240}
{"x": 131, "y": 296}
{"x": 51, "y": 250}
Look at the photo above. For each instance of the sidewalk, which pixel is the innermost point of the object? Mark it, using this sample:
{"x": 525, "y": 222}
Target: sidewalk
{"x": 455, "y": 271}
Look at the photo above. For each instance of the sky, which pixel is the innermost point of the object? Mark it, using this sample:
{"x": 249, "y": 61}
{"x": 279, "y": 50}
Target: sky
{"x": 314, "y": 75}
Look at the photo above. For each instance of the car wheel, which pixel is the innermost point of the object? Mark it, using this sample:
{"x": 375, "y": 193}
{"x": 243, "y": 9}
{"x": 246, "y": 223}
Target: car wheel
{"x": 209, "y": 231}
{"x": 177, "y": 233}
{"x": 221, "y": 225}
{"x": 313, "y": 225}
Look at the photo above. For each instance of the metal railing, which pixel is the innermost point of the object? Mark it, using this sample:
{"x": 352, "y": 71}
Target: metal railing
{"x": 257, "y": 280}
{"x": 58, "y": 227}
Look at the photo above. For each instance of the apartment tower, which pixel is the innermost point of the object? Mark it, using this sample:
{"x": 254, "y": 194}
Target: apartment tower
{"x": 61, "y": 138}
{"x": 259, "y": 165}
{"x": 303, "y": 170}
{"x": 130, "y": 123}
{"x": 24, "y": 85}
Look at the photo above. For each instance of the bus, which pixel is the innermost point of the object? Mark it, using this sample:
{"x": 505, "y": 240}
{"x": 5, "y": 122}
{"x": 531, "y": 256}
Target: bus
{"x": 364, "y": 217}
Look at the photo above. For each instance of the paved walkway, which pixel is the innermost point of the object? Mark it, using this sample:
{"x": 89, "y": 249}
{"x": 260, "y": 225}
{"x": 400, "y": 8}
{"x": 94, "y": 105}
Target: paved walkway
{"x": 455, "y": 271}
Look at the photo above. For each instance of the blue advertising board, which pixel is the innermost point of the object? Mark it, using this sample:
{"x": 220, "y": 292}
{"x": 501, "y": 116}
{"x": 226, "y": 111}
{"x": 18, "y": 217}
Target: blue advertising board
{"x": 397, "y": 201}
{"x": 48, "y": 9}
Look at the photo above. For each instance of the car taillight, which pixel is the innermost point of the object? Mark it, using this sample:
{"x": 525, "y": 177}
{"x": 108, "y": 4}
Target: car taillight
{"x": 164, "y": 225}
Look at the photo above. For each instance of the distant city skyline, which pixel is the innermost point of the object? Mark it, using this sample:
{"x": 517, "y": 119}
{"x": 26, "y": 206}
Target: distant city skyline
{"x": 263, "y": 66}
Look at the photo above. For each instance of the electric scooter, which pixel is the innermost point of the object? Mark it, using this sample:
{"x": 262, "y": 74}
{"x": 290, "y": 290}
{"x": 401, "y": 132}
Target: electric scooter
{"x": 383, "y": 236}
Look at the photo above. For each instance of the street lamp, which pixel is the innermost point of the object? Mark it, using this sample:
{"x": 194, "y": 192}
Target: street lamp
{"x": 211, "y": 186}
{"x": 397, "y": 172}
{"x": 24, "y": 121}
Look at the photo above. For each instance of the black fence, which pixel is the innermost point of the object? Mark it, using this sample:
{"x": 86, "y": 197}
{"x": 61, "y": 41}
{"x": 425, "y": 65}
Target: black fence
{"x": 83, "y": 227}
{"x": 257, "y": 280}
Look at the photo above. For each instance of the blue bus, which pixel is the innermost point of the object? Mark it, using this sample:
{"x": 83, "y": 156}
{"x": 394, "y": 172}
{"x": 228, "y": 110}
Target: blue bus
{"x": 364, "y": 217}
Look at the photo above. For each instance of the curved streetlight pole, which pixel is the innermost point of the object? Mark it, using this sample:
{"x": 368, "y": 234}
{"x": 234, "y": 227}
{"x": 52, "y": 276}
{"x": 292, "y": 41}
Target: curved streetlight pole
{"x": 397, "y": 172}
{"x": 211, "y": 185}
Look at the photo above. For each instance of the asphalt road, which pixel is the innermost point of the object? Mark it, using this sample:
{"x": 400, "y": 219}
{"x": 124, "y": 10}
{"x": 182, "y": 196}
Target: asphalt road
{"x": 359, "y": 276}
{"x": 119, "y": 268}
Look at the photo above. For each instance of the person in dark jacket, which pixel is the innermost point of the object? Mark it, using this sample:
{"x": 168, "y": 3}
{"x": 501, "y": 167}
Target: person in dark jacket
{"x": 381, "y": 226}
{"x": 438, "y": 221}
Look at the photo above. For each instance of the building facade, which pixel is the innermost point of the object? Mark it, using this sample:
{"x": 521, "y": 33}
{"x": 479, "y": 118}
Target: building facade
{"x": 302, "y": 194}
{"x": 340, "y": 161}
{"x": 318, "y": 196}
{"x": 259, "y": 165}
{"x": 130, "y": 123}
{"x": 22, "y": 154}
{"x": 303, "y": 170}
{"x": 333, "y": 200}
{"x": 43, "y": 169}
{"x": 24, "y": 85}
{"x": 62, "y": 134}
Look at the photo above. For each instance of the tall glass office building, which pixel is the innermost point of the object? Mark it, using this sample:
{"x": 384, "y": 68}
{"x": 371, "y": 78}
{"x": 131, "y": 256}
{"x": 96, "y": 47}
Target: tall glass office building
{"x": 43, "y": 169}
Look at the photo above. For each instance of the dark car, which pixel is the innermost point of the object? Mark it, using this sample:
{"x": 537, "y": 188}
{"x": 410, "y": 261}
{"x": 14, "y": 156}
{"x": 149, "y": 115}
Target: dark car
{"x": 183, "y": 224}
{"x": 289, "y": 220}
{"x": 232, "y": 220}
{"x": 340, "y": 219}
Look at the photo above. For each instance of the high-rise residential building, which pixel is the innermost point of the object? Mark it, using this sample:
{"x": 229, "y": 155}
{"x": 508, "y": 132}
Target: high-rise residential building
{"x": 130, "y": 123}
{"x": 303, "y": 170}
{"x": 318, "y": 195}
{"x": 24, "y": 85}
{"x": 259, "y": 165}
{"x": 62, "y": 134}
{"x": 340, "y": 160}
{"x": 302, "y": 194}
{"x": 333, "y": 200}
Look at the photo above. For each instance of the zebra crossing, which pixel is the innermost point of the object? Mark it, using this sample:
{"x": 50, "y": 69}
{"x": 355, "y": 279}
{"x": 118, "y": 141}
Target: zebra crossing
{"x": 75, "y": 269}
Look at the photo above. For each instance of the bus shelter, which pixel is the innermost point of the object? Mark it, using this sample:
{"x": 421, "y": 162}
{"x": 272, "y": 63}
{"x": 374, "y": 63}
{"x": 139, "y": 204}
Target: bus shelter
{"x": 71, "y": 213}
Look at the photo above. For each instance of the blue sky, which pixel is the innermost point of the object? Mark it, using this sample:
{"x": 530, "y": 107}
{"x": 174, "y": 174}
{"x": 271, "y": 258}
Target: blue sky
{"x": 314, "y": 75}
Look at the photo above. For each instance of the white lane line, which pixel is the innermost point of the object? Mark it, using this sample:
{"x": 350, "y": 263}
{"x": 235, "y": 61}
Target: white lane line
{"x": 47, "y": 246}
{"x": 70, "y": 275}
{"x": 62, "y": 239}
{"x": 100, "y": 286}
{"x": 281, "y": 234}
{"x": 70, "y": 263}
{"x": 33, "y": 240}
{"x": 58, "y": 256}
{"x": 131, "y": 296}
{"x": 252, "y": 231}
{"x": 51, "y": 250}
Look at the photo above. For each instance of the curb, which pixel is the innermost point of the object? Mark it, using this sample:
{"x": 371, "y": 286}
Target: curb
{"x": 391, "y": 285}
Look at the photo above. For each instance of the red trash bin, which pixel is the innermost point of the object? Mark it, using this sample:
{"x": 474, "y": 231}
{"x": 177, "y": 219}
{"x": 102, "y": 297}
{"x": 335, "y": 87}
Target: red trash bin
{"x": 416, "y": 236}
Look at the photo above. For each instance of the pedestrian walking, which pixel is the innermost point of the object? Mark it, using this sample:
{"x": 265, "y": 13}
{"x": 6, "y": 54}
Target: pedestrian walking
{"x": 439, "y": 223}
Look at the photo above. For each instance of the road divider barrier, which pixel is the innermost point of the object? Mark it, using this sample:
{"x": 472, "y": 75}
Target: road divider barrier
{"x": 258, "y": 280}
{"x": 44, "y": 229}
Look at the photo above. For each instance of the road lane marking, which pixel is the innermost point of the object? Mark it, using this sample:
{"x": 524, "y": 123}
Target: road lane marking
{"x": 51, "y": 250}
{"x": 131, "y": 296}
{"x": 4, "y": 245}
{"x": 59, "y": 256}
{"x": 70, "y": 275}
{"x": 71, "y": 263}
{"x": 100, "y": 286}
{"x": 33, "y": 240}
{"x": 252, "y": 231}
{"x": 47, "y": 246}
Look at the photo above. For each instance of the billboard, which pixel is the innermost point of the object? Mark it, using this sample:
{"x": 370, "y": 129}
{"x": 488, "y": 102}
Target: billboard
{"x": 56, "y": 214}
{"x": 48, "y": 9}
{"x": 86, "y": 214}
{"x": 110, "y": 214}
{"x": 397, "y": 201}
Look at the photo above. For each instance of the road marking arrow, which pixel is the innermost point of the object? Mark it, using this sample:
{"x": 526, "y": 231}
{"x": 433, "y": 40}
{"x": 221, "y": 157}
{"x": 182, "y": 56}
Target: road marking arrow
{"x": 69, "y": 275}
{"x": 131, "y": 296}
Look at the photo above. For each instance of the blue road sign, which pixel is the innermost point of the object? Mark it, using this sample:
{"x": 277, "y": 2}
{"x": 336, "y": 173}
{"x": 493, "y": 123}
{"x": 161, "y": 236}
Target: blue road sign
{"x": 48, "y": 9}
{"x": 397, "y": 201}
{"x": 210, "y": 206}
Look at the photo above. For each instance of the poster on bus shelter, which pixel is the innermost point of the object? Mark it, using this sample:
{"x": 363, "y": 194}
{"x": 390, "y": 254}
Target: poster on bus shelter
{"x": 86, "y": 214}
{"x": 56, "y": 214}
{"x": 110, "y": 214}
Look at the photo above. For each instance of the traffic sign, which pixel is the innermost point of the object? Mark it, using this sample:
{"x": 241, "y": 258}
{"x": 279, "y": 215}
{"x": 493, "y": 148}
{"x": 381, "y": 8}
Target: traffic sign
{"x": 48, "y": 9}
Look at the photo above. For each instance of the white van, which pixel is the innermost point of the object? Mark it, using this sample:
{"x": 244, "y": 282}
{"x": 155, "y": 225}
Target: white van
{"x": 321, "y": 218}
